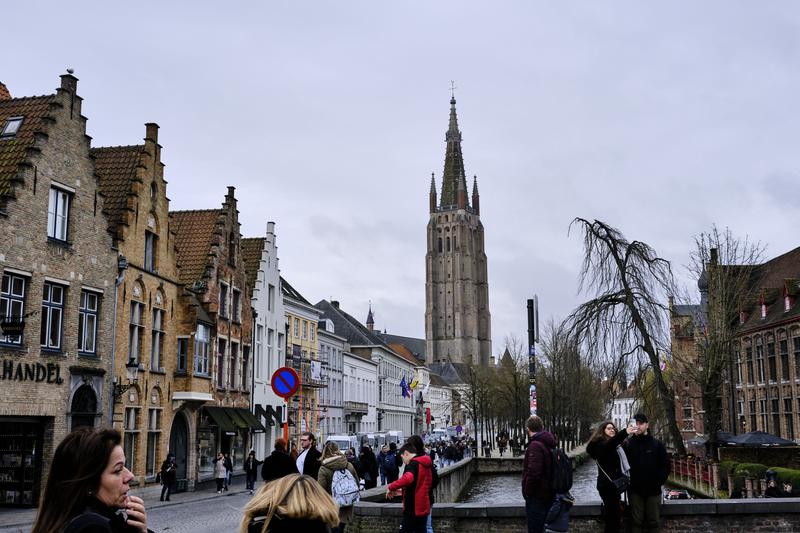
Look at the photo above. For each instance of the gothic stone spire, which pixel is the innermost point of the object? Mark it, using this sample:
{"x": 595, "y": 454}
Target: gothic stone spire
{"x": 454, "y": 177}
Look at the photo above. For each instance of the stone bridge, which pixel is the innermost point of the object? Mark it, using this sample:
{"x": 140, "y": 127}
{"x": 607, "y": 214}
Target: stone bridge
{"x": 373, "y": 514}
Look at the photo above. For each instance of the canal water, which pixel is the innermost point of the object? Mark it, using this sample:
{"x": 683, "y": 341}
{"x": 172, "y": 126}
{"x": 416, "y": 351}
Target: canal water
{"x": 506, "y": 489}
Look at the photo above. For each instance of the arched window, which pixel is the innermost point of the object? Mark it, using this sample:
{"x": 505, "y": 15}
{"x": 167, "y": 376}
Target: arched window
{"x": 448, "y": 243}
{"x": 153, "y": 191}
{"x": 440, "y": 245}
{"x": 84, "y": 407}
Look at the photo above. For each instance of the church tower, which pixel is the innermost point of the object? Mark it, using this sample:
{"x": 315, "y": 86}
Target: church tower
{"x": 457, "y": 319}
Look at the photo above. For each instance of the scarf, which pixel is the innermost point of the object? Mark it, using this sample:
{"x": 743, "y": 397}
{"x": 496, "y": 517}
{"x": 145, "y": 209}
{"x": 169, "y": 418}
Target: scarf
{"x": 623, "y": 462}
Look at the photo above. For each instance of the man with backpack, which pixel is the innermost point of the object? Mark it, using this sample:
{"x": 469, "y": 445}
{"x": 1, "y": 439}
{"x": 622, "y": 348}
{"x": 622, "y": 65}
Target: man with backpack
{"x": 537, "y": 468}
{"x": 390, "y": 467}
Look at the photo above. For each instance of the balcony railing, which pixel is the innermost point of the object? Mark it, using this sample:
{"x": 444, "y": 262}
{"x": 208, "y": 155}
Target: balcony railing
{"x": 356, "y": 408}
{"x": 306, "y": 377}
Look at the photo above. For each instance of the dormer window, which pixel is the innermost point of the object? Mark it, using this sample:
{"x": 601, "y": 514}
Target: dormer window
{"x": 763, "y": 310}
{"x": 787, "y": 303}
{"x": 11, "y": 127}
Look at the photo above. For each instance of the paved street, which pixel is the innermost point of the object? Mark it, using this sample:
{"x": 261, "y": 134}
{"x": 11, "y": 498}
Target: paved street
{"x": 217, "y": 515}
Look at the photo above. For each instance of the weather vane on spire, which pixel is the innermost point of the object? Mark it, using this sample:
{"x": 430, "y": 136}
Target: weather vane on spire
{"x": 452, "y": 89}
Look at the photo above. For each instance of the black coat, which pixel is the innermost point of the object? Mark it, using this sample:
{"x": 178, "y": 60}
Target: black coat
{"x": 168, "y": 474}
{"x": 650, "y": 466}
{"x": 277, "y": 465}
{"x": 605, "y": 453}
{"x": 311, "y": 463}
{"x": 98, "y": 518}
{"x": 251, "y": 466}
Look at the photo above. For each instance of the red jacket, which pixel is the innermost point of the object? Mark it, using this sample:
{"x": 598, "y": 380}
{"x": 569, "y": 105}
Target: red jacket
{"x": 537, "y": 465}
{"x": 416, "y": 484}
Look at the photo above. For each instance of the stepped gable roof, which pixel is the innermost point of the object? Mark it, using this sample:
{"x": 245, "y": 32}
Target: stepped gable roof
{"x": 405, "y": 353}
{"x": 251, "y": 255}
{"x": 348, "y": 327}
{"x": 451, "y": 373}
{"x": 291, "y": 292}
{"x": 194, "y": 233}
{"x": 416, "y": 346}
{"x": 116, "y": 167}
{"x": 35, "y": 113}
{"x": 768, "y": 281}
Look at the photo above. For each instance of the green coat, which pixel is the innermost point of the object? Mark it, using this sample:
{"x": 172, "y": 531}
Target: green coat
{"x": 325, "y": 477}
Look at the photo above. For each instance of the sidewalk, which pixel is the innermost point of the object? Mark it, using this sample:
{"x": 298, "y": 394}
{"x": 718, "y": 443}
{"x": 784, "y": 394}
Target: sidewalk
{"x": 23, "y": 518}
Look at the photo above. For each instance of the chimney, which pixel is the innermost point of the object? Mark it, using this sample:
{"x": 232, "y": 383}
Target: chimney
{"x": 4, "y": 93}
{"x": 335, "y": 304}
{"x": 270, "y": 228}
{"x": 151, "y": 132}
{"x": 69, "y": 83}
{"x": 714, "y": 253}
{"x": 231, "y": 190}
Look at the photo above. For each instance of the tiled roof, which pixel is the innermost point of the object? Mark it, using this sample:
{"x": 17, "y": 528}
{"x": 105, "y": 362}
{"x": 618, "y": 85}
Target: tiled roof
{"x": 417, "y": 346}
{"x": 251, "y": 254}
{"x": 116, "y": 167}
{"x": 405, "y": 353}
{"x": 767, "y": 282}
{"x": 437, "y": 381}
{"x": 14, "y": 150}
{"x": 451, "y": 373}
{"x": 348, "y": 327}
{"x": 291, "y": 292}
{"x": 194, "y": 232}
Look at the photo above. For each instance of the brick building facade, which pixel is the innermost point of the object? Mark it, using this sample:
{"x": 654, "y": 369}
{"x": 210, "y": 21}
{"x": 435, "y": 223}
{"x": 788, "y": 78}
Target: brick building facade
{"x": 58, "y": 272}
{"x": 137, "y": 208}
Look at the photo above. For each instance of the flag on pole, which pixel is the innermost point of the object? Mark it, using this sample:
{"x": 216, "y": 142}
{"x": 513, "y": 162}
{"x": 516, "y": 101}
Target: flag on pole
{"x": 403, "y": 386}
{"x": 414, "y": 383}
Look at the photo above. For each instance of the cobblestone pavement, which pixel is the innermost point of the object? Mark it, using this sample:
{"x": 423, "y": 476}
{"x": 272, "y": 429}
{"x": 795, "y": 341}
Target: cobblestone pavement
{"x": 218, "y": 515}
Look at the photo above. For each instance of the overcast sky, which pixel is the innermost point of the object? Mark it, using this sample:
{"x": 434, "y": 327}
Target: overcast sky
{"x": 329, "y": 118}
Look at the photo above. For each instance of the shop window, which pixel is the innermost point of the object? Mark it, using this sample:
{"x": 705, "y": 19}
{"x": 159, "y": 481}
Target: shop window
{"x": 12, "y": 303}
{"x": 83, "y": 410}
{"x": 58, "y": 214}
{"x": 87, "y": 322}
{"x": 20, "y": 462}
{"x": 202, "y": 345}
{"x": 52, "y": 316}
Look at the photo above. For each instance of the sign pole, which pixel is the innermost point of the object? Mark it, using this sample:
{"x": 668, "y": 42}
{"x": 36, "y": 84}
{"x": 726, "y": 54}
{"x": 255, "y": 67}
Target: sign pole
{"x": 286, "y": 422}
{"x": 533, "y": 330}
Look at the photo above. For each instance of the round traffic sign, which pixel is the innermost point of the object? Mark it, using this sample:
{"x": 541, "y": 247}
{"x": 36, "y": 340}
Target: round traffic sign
{"x": 285, "y": 382}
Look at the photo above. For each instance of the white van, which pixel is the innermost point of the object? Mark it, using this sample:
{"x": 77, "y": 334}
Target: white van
{"x": 395, "y": 436}
{"x": 344, "y": 441}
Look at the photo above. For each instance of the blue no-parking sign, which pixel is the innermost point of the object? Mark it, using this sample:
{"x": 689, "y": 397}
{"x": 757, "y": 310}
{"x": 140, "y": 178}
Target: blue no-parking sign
{"x": 285, "y": 382}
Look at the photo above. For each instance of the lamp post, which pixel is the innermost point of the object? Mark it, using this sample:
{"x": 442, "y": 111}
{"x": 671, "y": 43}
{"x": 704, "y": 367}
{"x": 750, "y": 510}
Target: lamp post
{"x": 132, "y": 372}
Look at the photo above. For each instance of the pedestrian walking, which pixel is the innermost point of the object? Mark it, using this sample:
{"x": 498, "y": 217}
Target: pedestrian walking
{"x": 220, "y": 472}
{"x": 380, "y": 460}
{"x": 88, "y": 486}
{"x": 415, "y": 485}
{"x": 279, "y": 464}
{"x": 416, "y": 441}
{"x": 612, "y": 465}
{"x": 292, "y": 504}
{"x": 368, "y": 470}
{"x": 649, "y": 470}
{"x": 340, "y": 479}
{"x": 168, "y": 476}
{"x": 251, "y": 470}
{"x": 536, "y": 468}
{"x": 228, "y": 471}
{"x": 308, "y": 459}
{"x": 390, "y": 464}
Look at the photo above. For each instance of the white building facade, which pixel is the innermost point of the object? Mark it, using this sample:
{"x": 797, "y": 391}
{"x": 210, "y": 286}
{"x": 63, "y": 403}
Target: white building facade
{"x": 439, "y": 398}
{"x": 331, "y": 353}
{"x": 269, "y": 337}
{"x": 360, "y": 395}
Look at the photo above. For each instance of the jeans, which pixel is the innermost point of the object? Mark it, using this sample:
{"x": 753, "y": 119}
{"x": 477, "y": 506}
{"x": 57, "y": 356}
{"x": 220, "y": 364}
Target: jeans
{"x": 645, "y": 512}
{"x": 251, "y": 481}
{"x": 383, "y": 478}
{"x": 429, "y": 524}
{"x": 611, "y": 511}
{"x": 536, "y": 512}
{"x": 414, "y": 524}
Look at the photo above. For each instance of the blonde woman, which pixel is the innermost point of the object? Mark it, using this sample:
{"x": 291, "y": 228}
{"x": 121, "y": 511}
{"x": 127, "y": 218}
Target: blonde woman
{"x": 292, "y": 504}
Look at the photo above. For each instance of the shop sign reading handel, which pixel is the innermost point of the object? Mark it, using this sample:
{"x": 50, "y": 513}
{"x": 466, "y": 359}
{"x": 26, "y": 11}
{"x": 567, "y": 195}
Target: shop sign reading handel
{"x": 36, "y": 372}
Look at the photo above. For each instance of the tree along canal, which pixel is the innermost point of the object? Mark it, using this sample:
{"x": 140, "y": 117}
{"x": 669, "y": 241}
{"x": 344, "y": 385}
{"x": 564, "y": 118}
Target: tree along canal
{"x": 506, "y": 489}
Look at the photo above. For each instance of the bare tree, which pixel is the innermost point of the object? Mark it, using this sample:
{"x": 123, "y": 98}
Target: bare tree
{"x": 724, "y": 265}
{"x": 625, "y": 320}
{"x": 512, "y": 387}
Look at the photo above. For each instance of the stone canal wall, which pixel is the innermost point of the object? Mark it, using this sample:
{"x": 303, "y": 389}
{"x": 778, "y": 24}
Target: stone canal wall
{"x": 723, "y": 516}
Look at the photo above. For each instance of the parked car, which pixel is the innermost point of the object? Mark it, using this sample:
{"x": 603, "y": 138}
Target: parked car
{"x": 673, "y": 494}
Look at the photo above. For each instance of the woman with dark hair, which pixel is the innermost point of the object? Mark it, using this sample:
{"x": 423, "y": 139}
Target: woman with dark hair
{"x": 604, "y": 448}
{"x": 368, "y": 467}
{"x": 87, "y": 489}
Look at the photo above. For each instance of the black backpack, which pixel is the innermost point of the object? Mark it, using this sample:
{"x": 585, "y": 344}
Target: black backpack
{"x": 560, "y": 471}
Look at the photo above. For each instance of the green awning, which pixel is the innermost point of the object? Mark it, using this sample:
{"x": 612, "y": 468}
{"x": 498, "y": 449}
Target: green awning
{"x": 236, "y": 418}
{"x": 221, "y": 419}
{"x": 251, "y": 420}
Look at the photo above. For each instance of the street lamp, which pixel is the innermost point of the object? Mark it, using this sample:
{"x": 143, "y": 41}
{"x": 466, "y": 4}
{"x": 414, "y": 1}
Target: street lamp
{"x": 132, "y": 371}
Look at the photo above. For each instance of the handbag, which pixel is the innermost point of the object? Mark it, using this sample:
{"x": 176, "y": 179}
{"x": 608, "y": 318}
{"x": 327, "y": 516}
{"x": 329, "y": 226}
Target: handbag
{"x": 621, "y": 483}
